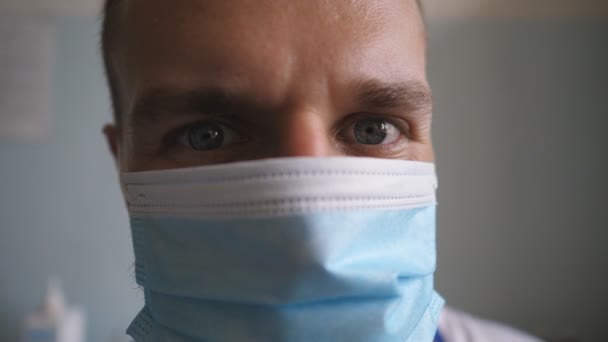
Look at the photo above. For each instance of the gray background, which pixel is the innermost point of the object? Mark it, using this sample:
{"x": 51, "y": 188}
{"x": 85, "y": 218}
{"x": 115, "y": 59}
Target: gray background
{"x": 520, "y": 124}
{"x": 520, "y": 129}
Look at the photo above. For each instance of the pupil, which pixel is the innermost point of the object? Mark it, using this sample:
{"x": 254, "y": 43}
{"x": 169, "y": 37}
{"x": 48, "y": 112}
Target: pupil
{"x": 371, "y": 131}
{"x": 205, "y": 137}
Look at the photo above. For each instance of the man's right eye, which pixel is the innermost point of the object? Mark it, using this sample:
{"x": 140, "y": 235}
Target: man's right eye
{"x": 207, "y": 136}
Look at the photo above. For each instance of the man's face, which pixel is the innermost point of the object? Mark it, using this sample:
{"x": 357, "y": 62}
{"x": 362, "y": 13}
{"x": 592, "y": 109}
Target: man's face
{"x": 207, "y": 82}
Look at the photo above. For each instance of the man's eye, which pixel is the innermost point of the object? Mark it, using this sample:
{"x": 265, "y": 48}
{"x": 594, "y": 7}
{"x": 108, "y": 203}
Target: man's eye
{"x": 375, "y": 131}
{"x": 208, "y": 136}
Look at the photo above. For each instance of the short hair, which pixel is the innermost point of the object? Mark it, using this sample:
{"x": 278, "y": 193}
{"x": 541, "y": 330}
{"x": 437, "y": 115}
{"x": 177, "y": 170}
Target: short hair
{"x": 108, "y": 28}
{"x": 108, "y": 32}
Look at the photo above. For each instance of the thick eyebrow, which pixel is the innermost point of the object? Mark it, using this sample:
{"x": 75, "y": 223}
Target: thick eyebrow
{"x": 160, "y": 103}
{"x": 156, "y": 104}
{"x": 407, "y": 95}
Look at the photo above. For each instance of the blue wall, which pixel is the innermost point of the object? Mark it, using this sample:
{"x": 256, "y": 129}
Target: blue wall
{"x": 61, "y": 211}
{"x": 520, "y": 128}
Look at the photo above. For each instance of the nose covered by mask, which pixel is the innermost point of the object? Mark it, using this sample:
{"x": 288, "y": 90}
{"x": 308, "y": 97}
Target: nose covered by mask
{"x": 286, "y": 250}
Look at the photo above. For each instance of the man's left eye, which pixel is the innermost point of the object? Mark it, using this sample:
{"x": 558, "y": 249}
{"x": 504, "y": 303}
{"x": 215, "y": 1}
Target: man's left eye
{"x": 375, "y": 131}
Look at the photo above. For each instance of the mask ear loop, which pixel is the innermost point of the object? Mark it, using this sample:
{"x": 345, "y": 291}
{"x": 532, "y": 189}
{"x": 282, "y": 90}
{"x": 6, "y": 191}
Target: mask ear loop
{"x": 130, "y": 195}
{"x": 123, "y": 187}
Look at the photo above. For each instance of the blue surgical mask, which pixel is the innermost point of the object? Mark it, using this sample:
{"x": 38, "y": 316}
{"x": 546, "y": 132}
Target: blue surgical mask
{"x": 286, "y": 250}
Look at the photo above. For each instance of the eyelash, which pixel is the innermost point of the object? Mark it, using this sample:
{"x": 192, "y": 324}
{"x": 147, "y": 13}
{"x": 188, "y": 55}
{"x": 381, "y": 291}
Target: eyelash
{"x": 171, "y": 139}
{"x": 401, "y": 124}
{"x": 342, "y": 128}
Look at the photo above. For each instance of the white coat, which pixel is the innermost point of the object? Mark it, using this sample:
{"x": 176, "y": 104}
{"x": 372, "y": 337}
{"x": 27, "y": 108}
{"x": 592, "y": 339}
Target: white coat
{"x": 457, "y": 326}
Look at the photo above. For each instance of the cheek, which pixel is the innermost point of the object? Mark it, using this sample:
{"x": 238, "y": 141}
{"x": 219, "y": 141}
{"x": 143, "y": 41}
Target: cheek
{"x": 423, "y": 145}
{"x": 425, "y": 153}
{"x": 138, "y": 151}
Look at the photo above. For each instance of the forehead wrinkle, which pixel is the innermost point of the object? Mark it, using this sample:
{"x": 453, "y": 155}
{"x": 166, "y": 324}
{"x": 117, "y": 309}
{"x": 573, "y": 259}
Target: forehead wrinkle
{"x": 345, "y": 29}
{"x": 362, "y": 17}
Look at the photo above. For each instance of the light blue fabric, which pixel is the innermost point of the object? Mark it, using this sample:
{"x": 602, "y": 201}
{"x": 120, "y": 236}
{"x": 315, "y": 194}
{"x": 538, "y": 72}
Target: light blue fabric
{"x": 353, "y": 275}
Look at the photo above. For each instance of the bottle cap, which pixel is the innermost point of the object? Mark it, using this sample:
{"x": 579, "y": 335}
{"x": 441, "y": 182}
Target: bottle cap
{"x": 54, "y": 302}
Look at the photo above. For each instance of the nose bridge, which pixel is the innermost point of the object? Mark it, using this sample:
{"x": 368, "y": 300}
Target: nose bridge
{"x": 304, "y": 133}
{"x": 307, "y": 118}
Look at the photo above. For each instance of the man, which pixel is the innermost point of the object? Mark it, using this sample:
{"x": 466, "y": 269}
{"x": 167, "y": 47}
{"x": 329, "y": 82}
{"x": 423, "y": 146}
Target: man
{"x": 303, "y": 242}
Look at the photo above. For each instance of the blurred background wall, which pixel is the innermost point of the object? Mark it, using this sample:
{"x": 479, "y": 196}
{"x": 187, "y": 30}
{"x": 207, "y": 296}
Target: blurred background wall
{"x": 61, "y": 212}
{"x": 520, "y": 130}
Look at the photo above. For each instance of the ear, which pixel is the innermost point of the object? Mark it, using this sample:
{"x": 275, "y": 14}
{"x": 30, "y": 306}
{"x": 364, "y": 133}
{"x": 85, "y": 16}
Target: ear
{"x": 112, "y": 134}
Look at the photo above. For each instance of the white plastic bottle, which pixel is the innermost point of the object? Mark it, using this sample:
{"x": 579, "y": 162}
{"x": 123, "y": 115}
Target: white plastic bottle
{"x": 54, "y": 321}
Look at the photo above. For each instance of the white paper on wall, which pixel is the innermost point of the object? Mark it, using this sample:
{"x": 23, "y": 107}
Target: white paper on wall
{"x": 26, "y": 50}
{"x": 54, "y": 7}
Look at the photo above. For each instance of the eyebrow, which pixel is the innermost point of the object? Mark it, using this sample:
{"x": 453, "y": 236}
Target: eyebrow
{"x": 158, "y": 103}
{"x": 405, "y": 95}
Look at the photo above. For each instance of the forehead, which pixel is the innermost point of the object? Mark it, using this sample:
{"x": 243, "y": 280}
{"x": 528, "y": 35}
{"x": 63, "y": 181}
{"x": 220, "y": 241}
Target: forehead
{"x": 188, "y": 42}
